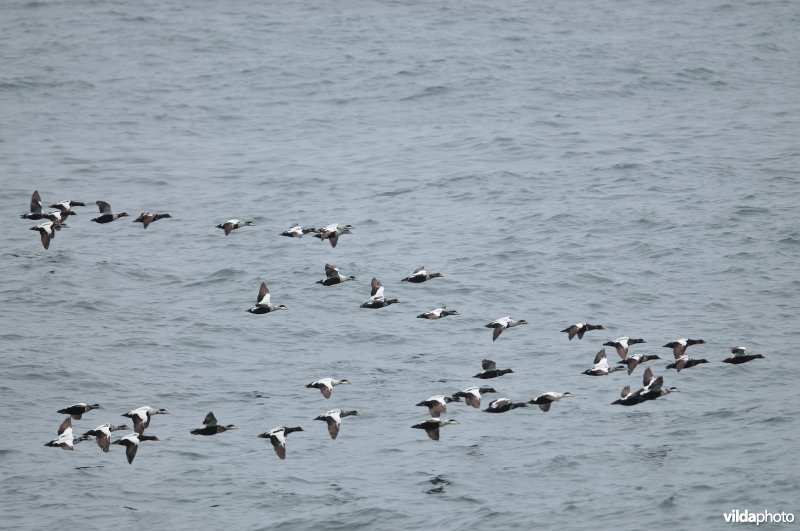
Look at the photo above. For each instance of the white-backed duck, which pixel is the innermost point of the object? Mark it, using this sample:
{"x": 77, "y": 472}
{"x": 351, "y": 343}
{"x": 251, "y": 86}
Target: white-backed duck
{"x": 106, "y": 215}
{"x": 600, "y": 367}
{"x": 233, "y": 224}
{"x": 333, "y": 276}
{"x": 263, "y": 304}
{"x": 740, "y": 355}
{"x": 490, "y": 370}
{"x": 376, "y": 298}
{"x": 472, "y": 395}
{"x": 437, "y": 404}
{"x": 431, "y": 426}
{"x": 679, "y": 346}
{"x": 141, "y": 417}
{"x": 146, "y": 218}
{"x": 333, "y": 231}
{"x": 277, "y": 436}
{"x": 211, "y": 427}
{"x": 334, "y": 420}
{"x": 65, "y": 440}
{"x": 47, "y": 231}
{"x": 77, "y": 410}
{"x": 437, "y": 313}
{"x": 131, "y": 444}
{"x": 296, "y": 231}
{"x": 420, "y": 275}
{"x": 102, "y": 434}
{"x": 501, "y": 405}
{"x": 544, "y": 401}
{"x": 501, "y": 324}
{"x": 622, "y": 344}
{"x": 578, "y": 329}
{"x": 326, "y": 385}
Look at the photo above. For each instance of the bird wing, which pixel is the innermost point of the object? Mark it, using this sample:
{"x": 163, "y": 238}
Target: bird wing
{"x": 325, "y": 390}
{"x": 130, "y": 451}
{"x": 433, "y": 433}
{"x": 331, "y": 271}
{"x": 45, "y": 235}
{"x": 333, "y": 426}
{"x": 148, "y": 218}
{"x": 599, "y": 356}
{"x": 36, "y": 203}
{"x": 497, "y": 331}
{"x": 64, "y": 425}
{"x": 488, "y": 365}
{"x": 104, "y": 207}
{"x": 545, "y": 407}
{"x": 263, "y": 295}
{"x": 648, "y": 376}
{"x": 377, "y": 289}
{"x": 210, "y": 419}
{"x": 279, "y": 443}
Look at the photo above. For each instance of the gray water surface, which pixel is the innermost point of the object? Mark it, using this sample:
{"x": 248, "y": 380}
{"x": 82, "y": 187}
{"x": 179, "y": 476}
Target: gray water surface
{"x": 632, "y": 164}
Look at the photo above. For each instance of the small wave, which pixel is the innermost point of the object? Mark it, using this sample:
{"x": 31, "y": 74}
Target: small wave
{"x": 427, "y": 92}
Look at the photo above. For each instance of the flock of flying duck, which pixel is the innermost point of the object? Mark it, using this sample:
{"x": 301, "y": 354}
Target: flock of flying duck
{"x": 652, "y": 386}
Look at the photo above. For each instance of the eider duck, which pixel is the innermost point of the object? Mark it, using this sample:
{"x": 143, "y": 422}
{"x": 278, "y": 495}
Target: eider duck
{"x": 437, "y": 313}
{"x": 211, "y": 427}
{"x": 68, "y": 204}
{"x": 326, "y": 385}
{"x": 578, "y": 329}
{"x": 490, "y": 370}
{"x": 420, "y": 275}
{"x": 233, "y": 224}
{"x": 652, "y": 389}
{"x": 106, "y": 216}
{"x": 627, "y": 398}
{"x": 146, "y": 218}
{"x": 431, "y": 426}
{"x": 77, "y": 410}
{"x": 684, "y": 362}
{"x": 263, "y": 304}
{"x": 35, "y": 208}
{"x": 296, "y": 231}
{"x": 334, "y": 420}
{"x": 632, "y": 361}
{"x": 600, "y": 367}
{"x": 437, "y": 404}
{"x": 472, "y": 395}
{"x": 622, "y": 344}
{"x": 277, "y": 436}
{"x": 546, "y": 400}
{"x": 57, "y": 217}
{"x": 65, "y": 207}
{"x": 102, "y": 434}
{"x": 131, "y": 443}
{"x": 333, "y": 231}
{"x": 740, "y": 355}
{"x": 47, "y": 231}
{"x": 501, "y": 405}
{"x": 141, "y": 417}
{"x": 333, "y": 277}
{"x": 65, "y": 440}
{"x": 501, "y": 324}
{"x": 679, "y": 346}
{"x": 377, "y": 299}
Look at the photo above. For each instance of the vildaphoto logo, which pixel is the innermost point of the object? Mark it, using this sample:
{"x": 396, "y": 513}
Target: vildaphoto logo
{"x": 764, "y": 517}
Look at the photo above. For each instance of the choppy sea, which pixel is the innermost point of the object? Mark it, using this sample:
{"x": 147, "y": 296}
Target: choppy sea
{"x": 632, "y": 164}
